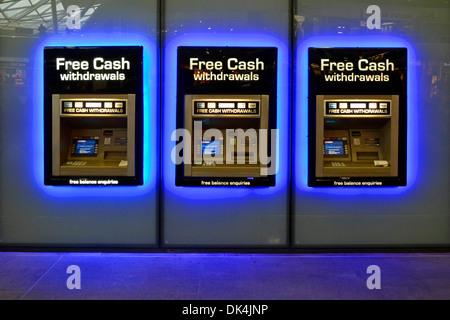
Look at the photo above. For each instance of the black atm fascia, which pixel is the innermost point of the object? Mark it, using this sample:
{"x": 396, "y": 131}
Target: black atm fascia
{"x": 93, "y": 136}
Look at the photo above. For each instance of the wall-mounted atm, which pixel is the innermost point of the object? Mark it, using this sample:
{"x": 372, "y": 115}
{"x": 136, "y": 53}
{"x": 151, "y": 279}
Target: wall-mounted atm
{"x": 93, "y": 135}
{"x": 357, "y": 117}
{"x": 229, "y": 129}
{"x": 357, "y": 136}
{"x": 227, "y": 109}
{"x": 93, "y": 116}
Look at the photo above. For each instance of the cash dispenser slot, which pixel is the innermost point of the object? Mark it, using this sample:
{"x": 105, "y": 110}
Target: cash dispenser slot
{"x": 367, "y": 156}
{"x": 112, "y": 155}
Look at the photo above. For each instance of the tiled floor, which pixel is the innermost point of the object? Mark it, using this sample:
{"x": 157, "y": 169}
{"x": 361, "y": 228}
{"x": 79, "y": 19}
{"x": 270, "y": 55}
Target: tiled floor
{"x": 44, "y": 276}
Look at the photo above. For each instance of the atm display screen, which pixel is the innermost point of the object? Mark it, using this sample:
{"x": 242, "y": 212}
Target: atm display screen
{"x": 85, "y": 147}
{"x": 211, "y": 147}
{"x": 334, "y": 147}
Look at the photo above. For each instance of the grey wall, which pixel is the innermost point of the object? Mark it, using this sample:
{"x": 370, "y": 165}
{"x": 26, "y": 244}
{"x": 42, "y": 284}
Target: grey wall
{"x": 224, "y": 216}
{"x": 34, "y": 214}
{"x": 419, "y": 215}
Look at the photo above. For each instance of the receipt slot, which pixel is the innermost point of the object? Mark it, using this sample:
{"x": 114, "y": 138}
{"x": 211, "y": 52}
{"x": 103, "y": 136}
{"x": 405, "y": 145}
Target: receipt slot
{"x": 357, "y": 136}
{"x": 93, "y": 136}
{"x": 229, "y": 130}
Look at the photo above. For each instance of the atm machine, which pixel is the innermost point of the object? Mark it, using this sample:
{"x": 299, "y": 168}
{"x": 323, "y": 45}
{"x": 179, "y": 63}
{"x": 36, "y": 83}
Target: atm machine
{"x": 93, "y": 135}
{"x": 357, "y": 136}
{"x": 232, "y": 151}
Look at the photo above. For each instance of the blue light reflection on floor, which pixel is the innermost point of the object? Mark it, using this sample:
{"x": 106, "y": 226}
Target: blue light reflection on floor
{"x": 224, "y": 276}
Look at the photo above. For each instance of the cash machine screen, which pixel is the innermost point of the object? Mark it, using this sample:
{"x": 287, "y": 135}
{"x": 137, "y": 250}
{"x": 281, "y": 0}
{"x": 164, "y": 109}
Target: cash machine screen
{"x": 334, "y": 147}
{"x": 211, "y": 147}
{"x": 85, "y": 147}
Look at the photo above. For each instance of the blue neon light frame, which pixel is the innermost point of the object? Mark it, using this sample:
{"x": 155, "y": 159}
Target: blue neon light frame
{"x": 169, "y": 118}
{"x": 151, "y": 115}
{"x": 300, "y": 152}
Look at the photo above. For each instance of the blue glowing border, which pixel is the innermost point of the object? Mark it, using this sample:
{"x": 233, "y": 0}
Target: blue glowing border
{"x": 151, "y": 115}
{"x": 169, "y": 113}
{"x": 300, "y": 163}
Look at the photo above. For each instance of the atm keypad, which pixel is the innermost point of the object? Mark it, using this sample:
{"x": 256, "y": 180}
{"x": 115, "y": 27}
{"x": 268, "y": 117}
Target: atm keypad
{"x": 76, "y": 163}
{"x": 338, "y": 164}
